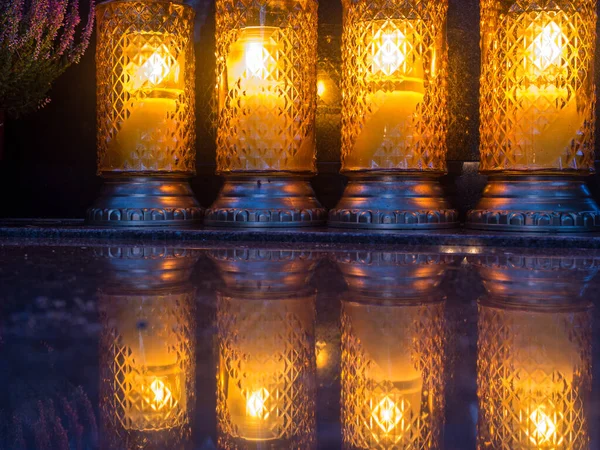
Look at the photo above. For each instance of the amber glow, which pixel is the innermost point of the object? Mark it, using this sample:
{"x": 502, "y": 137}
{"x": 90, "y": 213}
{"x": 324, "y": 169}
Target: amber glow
{"x": 264, "y": 362}
{"x": 387, "y": 415}
{"x": 160, "y": 395}
{"x": 392, "y": 79}
{"x": 154, "y": 393}
{"x": 542, "y": 96}
{"x": 145, "y": 84}
{"x": 388, "y": 401}
{"x": 542, "y": 429}
{"x": 255, "y": 405}
{"x": 537, "y": 99}
{"x": 322, "y": 353}
{"x": 321, "y": 88}
{"x": 532, "y": 378}
{"x": 266, "y": 86}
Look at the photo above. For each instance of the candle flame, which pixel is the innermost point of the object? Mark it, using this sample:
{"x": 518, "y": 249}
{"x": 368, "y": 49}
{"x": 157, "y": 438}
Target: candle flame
{"x": 257, "y": 58}
{"x": 544, "y": 429}
{"x": 547, "y": 49}
{"x": 159, "y": 396}
{"x": 159, "y": 67}
{"x": 321, "y": 89}
{"x": 387, "y": 414}
{"x": 255, "y": 404}
{"x": 389, "y": 52}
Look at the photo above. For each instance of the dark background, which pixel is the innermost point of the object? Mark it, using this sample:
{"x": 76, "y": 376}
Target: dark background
{"x": 48, "y": 165}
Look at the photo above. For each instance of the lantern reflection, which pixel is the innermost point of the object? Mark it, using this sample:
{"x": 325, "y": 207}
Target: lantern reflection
{"x": 393, "y": 354}
{"x": 534, "y": 354}
{"x": 147, "y": 348}
{"x": 265, "y": 320}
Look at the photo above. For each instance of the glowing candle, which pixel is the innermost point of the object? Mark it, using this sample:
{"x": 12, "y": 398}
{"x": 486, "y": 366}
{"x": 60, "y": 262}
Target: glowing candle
{"x": 153, "y": 86}
{"x": 546, "y": 119}
{"x": 266, "y": 364}
{"x": 254, "y": 67}
{"x": 394, "y": 113}
{"x": 533, "y": 374}
{"x": 389, "y": 398}
{"x": 395, "y": 77}
{"x": 537, "y": 98}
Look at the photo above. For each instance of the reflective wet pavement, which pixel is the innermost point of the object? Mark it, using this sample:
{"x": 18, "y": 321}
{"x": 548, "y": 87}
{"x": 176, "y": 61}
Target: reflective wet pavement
{"x": 156, "y": 347}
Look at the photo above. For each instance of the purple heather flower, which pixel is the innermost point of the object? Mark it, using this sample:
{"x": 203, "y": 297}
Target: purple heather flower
{"x": 39, "y": 39}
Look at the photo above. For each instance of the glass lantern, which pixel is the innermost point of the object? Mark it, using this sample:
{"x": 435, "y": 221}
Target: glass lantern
{"x": 266, "y": 81}
{"x": 146, "y": 114}
{"x": 534, "y": 367}
{"x": 537, "y": 116}
{"x": 266, "y": 394}
{"x": 393, "y": 350}
{"x": 394, "y": 114}
{"x": 534, "y": 376}
{"x": 147, "y": 348}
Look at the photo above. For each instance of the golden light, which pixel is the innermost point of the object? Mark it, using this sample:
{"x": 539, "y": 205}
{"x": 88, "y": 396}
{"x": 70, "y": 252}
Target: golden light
{"x": 321, "y": 88}
{"x": 329, "y": 92}
{"x": 265, "y": 320}
{"x": 386, "y": 414}
{"x": 255, "y": 405}
{"x": 266, "y": 83}
{"x": 394, "y": 114}
{"x": 533, "y": 375}
{"x": 152, "y": 380}
{"x": 160, "y": 396}
{"x": 543, "y": 427}
{"x": 390, "y": 53}
{"x": 322, "y": 353}
{"x": 392, "y": 397}
{"x": 146, "y": 114}
{"x": 537, "y": 113}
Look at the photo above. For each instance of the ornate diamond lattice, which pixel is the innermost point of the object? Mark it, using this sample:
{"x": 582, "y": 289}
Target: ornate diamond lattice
{"x": 537, "y": 85}
{"x": 266, "y": 381}
{"x": 147, "y": 351}
{"x": 145, "y": 87}
{"x": 266, "y": 78}
{"x": 534, "y": 376}
{"x": 393, "y": 376}
{"x": 394, "y": 75}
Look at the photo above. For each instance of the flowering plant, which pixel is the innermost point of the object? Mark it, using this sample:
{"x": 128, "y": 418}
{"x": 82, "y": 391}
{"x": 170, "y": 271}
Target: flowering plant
{"x": 37, "y": 44}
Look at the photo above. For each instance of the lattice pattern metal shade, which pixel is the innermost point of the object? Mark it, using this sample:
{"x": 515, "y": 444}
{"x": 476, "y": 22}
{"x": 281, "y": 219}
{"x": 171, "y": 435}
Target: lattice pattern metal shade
{"x": 394, "y": 76}
{"x": 534, "y": 377}
{"x": 266, "y": 391}
{"x": 147, "y": 351}
{"x": 145, "y": 92}
{"x": 266, "y": 76}
{"x": 392, "y": 376}
{"x": 537, "y": 85}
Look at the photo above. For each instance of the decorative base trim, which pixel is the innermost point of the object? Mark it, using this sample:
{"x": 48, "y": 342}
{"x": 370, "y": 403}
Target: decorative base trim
{"x": 536, "y": 204}
{"x": 393, "y": 202}
{"x": 145, "y": 202}
{"x": 263, "y": 201}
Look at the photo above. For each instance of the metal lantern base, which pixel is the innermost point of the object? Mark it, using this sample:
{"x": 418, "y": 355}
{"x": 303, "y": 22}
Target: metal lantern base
{"x": 266, "y": 201}
{"x": 543, "y": 203}
{"x": 393, "y": 202}
{"x": 145, "y": 201}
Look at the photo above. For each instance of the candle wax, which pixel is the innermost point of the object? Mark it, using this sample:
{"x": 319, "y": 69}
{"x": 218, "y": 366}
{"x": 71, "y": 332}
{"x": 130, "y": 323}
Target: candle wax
{"x": 147, "y": 137}
{"x": 386, "y": 137}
